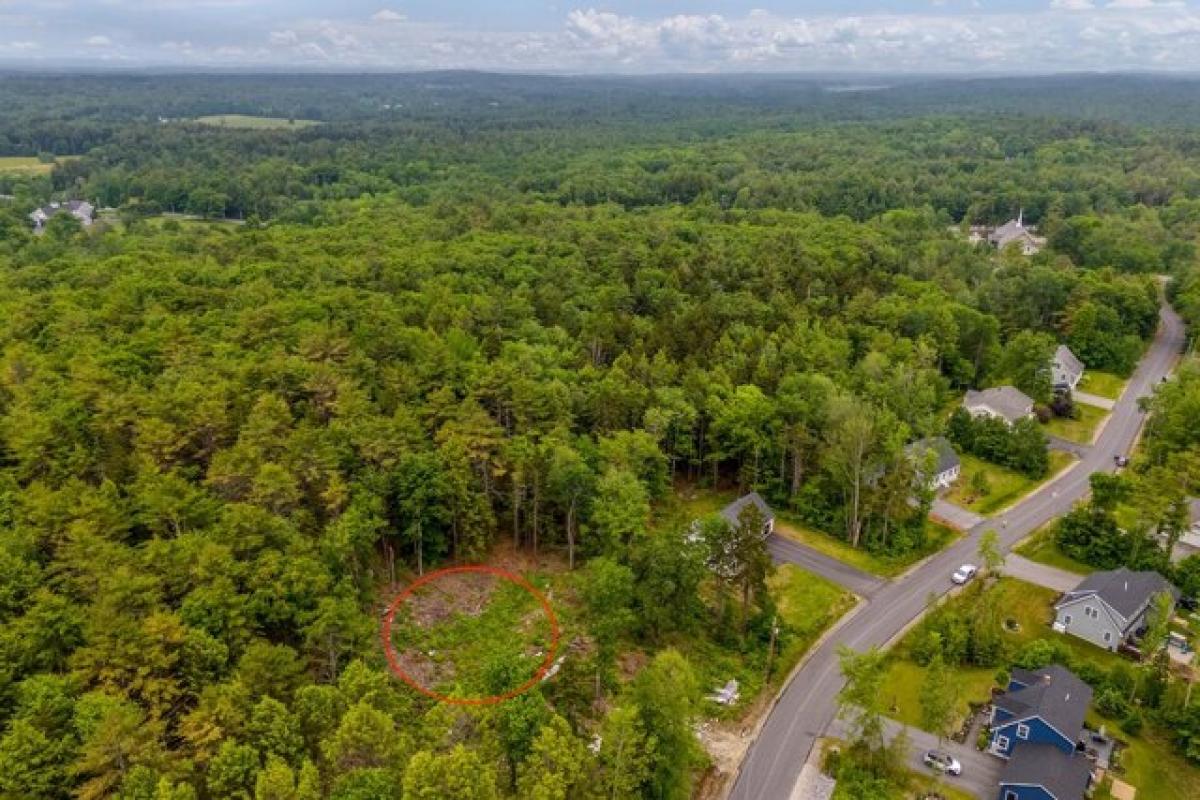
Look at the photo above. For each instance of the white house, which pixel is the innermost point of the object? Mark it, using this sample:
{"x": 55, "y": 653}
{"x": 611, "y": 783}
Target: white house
{"x": 1016, "y": 232}
{"x": 81, "y": 210}
{"x": 1066, "y": 369}
{"x": 937, "y": 463}
{"x": 1007, "y": 403}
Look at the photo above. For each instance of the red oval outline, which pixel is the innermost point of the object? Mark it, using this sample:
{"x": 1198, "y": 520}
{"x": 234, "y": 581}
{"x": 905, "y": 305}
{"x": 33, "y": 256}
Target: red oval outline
{"x": 389, "y": 649}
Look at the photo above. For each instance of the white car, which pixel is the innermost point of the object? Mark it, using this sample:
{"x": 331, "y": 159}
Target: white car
{"x": 942, "y": 762}
{"x": 964, "y": 573}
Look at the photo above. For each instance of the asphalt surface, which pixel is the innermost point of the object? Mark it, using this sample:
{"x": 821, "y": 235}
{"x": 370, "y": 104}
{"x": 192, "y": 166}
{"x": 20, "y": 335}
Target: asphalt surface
{"x": 1059, "y": 580}
{"x": 785, "y": 551}
{"x": 980, "y": 771}
{"x": 808, "y": 704}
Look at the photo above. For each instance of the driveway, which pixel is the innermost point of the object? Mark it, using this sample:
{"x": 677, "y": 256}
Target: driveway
{"x": 956, "y": 517}
{"x": 1032, "y": 572}
{"x": 786, "y": 551}
{"x": 1095, "y": 400}
{"x": 807, "y": 705}
{"x": 980, "y": 771}
{"x": 1066, "y": 446}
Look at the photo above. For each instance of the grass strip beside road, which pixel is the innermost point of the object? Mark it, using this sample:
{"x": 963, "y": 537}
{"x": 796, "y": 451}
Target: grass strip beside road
{"x": 1081, "y": 430}
{"x": 1104, "y": 384}
{"x": 1005, "y": 485}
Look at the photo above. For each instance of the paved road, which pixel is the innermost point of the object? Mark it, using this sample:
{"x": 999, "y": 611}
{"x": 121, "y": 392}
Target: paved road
{"x": 786, "y": 551}
{"x": 1040, "y": 574}
{"x": 808, "y": 703}
{"x": 1067, "y": 446}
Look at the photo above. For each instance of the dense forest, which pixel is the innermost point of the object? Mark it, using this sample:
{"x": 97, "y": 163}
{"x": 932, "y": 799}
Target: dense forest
{"x": 446, "y": 326}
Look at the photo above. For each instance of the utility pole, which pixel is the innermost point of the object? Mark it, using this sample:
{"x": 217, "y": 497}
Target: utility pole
{"x": 771, "y": 647}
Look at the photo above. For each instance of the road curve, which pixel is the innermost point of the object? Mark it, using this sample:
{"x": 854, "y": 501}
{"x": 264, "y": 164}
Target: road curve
{"x": 808, "y": 703}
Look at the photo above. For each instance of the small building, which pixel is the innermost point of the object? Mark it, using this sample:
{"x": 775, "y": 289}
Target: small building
{"x": 1066, "y": 369}
{"x": 1045, "y": 706}
{"x": 1016, "y": 232}
{"x": 935, "y": 456}
{"x": 1043, "y": 772}
{"x": 1109, "y": 608}
{"x": 1006, "y": 403}
{"x": 81, "y": 210}
{"x": 732, "y": 513}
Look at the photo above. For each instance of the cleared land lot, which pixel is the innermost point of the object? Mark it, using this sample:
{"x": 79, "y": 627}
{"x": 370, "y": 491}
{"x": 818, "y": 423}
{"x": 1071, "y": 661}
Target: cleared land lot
{"x": 27, "y": 165}
{"x": 247, "y": 122}
{"x": 1005, "y": 486}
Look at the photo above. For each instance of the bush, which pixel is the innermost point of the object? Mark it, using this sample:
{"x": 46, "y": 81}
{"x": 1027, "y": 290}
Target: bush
{"x": 1132, "y": 723}
{"x": 1113, "y": 704}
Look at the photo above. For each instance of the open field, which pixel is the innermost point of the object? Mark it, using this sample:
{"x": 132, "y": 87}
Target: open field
{"x": 1080, "y": 430}
{"x": 246, "y": 122}
{"x": 1006, "y": 486}
{"x": 27, "y": 165}
{"x": 1041, "y": 547}
{"x": 1104, "y": 384}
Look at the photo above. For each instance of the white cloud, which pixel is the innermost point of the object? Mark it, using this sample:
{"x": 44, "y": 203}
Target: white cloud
{"x": 1073, "y": 5}
{"x": 98, "y": 41}
{"x": 1140, "y": 5}
{"x": 388, "y": 15}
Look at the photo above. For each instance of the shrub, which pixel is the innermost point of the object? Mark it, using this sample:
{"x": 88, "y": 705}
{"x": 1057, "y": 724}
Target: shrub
{"x": 1112, "y": 704}
{"x": 1132, "y": 723}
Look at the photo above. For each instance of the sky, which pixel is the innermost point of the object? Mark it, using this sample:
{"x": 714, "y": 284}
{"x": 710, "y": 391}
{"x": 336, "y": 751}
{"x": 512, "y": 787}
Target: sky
{"x": 620, "y": 36}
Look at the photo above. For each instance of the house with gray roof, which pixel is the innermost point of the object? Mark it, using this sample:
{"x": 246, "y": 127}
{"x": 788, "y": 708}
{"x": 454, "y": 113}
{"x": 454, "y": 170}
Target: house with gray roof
{"x": 1043, "y": 772}
{"x": 1036, "y": 725}
{"x": 732, "y": 513}
{"x": 81, "y": 210}
{"x": 1110, "y": 607}
{"x": 1006, "y": 403}
{"x": 938, "y": 465}
{"x": 1066, "y": 369}
{"x": 1016, "y": 232}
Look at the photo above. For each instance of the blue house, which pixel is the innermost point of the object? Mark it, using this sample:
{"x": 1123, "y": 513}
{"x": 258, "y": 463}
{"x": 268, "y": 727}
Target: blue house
{"x": 1044, "y": 706}
{"x": 1037, "y": 725}
{"x": 1044, "y": 772}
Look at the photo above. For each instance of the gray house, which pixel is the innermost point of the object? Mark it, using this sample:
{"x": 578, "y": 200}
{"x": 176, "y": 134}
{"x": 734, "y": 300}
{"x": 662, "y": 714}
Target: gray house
{"x": 1109, "y": 608}
{"x": 1016, "y": 232}
{"x": 1007, "y": 403}
{"x": 81, "y": 210}
{"x": 937, "y": 463}
{"x": 733, "y": 512}
{"x": 1066, "y": 369}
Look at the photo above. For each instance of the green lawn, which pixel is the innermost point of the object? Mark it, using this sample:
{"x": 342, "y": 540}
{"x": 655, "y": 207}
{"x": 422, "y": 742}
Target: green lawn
{"x": 1081, "y": 430}
{"x": 1029, "y": 606}
{"x": 245, "y": 122}
{"x": 808, "y": 604}
{"x": 1005, "y": 486}
{"x": 902, "y": 690}
{"x": 1041, "y": 547}
{"x": 1151, "y": 765}
{"x": 1104, "y": 384}
{"x": 27, "y": 165}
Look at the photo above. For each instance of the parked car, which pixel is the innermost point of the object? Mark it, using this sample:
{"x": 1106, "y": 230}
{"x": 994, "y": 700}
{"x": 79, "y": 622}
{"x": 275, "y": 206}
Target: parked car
{"x": 1188, "y": 603}
{"x": 1121, "y": 461}
{"x": 942, "y": 762}
{"x": 964, "y": 573}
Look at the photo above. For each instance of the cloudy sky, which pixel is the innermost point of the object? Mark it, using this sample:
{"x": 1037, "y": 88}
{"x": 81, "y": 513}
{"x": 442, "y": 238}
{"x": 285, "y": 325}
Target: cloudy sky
{"x": 593, "y": 36}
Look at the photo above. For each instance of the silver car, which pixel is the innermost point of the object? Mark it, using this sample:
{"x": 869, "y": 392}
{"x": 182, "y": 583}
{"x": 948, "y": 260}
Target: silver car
{"x": 942, "y": 762}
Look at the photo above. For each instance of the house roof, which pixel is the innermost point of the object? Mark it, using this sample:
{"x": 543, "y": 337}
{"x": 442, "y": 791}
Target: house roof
{"x": 1011, "y": 231}
{"x": 1068, "y": 360}
{"x": 1007, "y": 401}
{"x": 733, "y": 511}
{"x": 946, "y": 457}
{"x": 1123, "y": 590}
{"x": 1032, "y": 764}
{"x": 1053, "y": 694}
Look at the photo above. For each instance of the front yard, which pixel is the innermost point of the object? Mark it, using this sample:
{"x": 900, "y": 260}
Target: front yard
{"x": 1104, "y": 384}
{"x": 1041, "y": 546}
{"x": 1081, "y": 430}
{"x": 1004, "y": 486}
